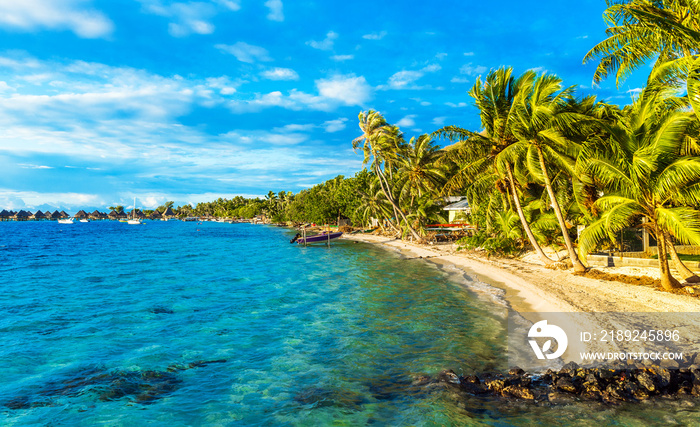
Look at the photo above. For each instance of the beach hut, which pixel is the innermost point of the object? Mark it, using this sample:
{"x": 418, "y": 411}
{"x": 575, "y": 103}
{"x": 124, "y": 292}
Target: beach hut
{"x": 81, "y": 214}
{"x": 156, "y": 215}
{"x": 4, "y": 215}
{"x": 455, "y": 209}
{"x": 39, "y": 215}
{"x": 168, "y": 213}
{"x": 56, "y": 215}
{"x": 121, "y": 215}
{"x": 112, "y": 214}
{"x": 64, "y": 214}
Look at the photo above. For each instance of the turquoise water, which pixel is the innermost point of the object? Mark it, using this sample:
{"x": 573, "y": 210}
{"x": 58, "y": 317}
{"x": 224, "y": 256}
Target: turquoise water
{"x": 175, "y": 323}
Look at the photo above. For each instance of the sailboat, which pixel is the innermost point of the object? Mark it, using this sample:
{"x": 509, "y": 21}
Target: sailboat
{"x": 133, "y": 220}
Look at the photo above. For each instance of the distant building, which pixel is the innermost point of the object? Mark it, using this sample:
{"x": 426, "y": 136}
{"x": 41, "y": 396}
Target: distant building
{"x": 457, "y": 208}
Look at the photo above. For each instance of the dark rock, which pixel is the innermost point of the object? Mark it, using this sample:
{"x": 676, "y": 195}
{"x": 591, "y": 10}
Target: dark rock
{"x": 515, "y": 371}
{"x": 566, "y": 384}
{"x": 518, "y": 391}
{"x": 570, "y": 368}
{"x": 495, "y": 385}
{"x": 646, "y": 380}
{"x": 448, "y": 377}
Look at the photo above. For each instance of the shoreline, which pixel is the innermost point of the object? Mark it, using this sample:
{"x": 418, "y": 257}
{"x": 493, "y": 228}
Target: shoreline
{"x": 532, "y": 288}
{"x": 585, "y": 304}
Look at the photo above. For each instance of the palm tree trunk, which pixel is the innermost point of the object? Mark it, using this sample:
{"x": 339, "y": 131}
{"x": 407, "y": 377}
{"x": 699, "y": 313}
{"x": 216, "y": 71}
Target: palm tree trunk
{"x": 389, "y": 197}
{"x": 578, "y": 266}
{"x": 684, "y": 271}
{"x": 668, "y": 282}
{"x": 521, "y": 215}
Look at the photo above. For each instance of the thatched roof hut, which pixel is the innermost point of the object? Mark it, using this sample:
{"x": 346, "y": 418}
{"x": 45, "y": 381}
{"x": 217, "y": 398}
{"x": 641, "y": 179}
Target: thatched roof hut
{"x": 98, "y": 215}
{"x": 5, "y": 215}
{"x": 168, "y": 213}
{"x": 39, "y": 215}
{"x": 56, "y": 215}
{"x": 156, "y": 215}
{"x": 64, "y": 214}
{"x": 22, "y": 215}
{"x": 81, "y": 214}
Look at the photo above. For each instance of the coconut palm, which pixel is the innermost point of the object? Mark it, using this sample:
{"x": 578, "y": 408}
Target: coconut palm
{"x": 380, "y": 143}
{"x": 644, "y": 175}
{"x": 639, "y": 30}
{"x": 419, "y": 169}
{"x": 483, "y": 165}
{"x": 540, "y": 113}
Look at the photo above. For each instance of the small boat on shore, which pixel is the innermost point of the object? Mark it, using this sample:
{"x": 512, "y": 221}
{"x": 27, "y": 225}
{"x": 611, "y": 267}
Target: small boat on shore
{"x": 323, "y": 237}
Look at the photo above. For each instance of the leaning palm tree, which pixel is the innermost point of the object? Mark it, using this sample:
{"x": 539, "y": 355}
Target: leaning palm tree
{"x": 644, "y": 175}
{"x": 380, "y": 142}
{"x": 480, "y": 156}
{"x": 540, "y": 114}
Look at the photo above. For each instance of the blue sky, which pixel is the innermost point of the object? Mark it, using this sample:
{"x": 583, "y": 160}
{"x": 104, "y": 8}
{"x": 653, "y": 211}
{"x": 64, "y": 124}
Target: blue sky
{"x": 106, "y": 100}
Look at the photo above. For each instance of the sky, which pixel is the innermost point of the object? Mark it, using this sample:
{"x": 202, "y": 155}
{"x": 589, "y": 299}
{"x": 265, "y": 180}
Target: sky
{"x": 102, "y": 101}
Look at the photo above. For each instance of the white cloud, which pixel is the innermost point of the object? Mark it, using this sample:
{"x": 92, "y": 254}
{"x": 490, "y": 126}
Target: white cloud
{"x": 335, "y": 125}
{"x": 187, "y": 18}
{"x": 276, "y": 13}
{"x": 325, "y": 44}
{"x": 245, "y": 52}
{"x": 406, "y": 79}
{"x": 348, "y": 89}
{"x": 468, "y": 53}
{"x": 439, "y": 121}
{"x": 73, "y": 15}
{"x": 471, "y": 70}
{"x": 230, "y": 4}
{"x": 407, "y": 121}
{"x": 280, "y": 74}
{"x": 375, "y": 36}
{"x": 403, "y": 79}
{"x": 453, "y": 105}
{"x": 341, "y": 58}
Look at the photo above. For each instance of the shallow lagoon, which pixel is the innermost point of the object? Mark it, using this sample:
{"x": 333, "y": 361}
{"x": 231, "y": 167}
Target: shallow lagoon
{"x": 228, "y": 324}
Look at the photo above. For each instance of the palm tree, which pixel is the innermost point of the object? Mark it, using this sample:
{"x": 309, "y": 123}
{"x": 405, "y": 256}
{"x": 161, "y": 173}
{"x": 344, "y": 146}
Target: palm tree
{"x": 380, "y": 142}
{"x": 373, "y": 203}
{"x": 639, "y": 30}
{"x": 481, "y": 156}
{"x": 420, "y": 171}
{"x": 540, "y": 112}
{"x": 644, "y": 175}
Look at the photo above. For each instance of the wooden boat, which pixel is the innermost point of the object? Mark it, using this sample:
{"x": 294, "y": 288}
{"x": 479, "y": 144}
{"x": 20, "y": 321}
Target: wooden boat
{"x": 323, "y": 237}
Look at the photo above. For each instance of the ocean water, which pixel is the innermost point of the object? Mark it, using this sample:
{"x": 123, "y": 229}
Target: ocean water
{"x": 174, "y": 323}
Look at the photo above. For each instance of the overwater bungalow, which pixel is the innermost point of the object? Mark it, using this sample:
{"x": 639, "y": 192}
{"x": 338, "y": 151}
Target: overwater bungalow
{"x": 22, "y": 216}
{"x": 56, "y": 215}
{"x": 39, "y": 215}
{"x": 155, "y": 215}
{"x": 5, "y": 215}
{"x": 81, "y": 214}
{"x": 64, "y": 214}
{"x": 97, "y": 215}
